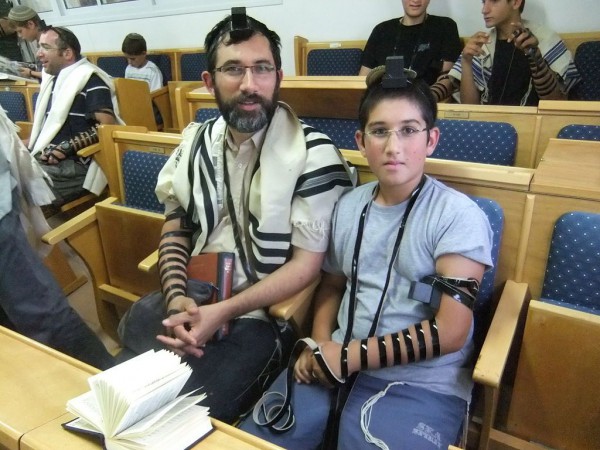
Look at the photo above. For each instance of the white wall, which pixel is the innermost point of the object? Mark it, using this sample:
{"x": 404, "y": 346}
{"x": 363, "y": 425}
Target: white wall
{"x": 326, "y": 20}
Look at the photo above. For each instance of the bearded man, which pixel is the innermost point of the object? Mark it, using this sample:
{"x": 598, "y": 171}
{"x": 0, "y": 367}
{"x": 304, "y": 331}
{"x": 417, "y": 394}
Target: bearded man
{"x": 256, "y": 182}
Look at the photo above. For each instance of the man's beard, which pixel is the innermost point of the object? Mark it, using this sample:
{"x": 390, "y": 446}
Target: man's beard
{"x": 247, "y": 121}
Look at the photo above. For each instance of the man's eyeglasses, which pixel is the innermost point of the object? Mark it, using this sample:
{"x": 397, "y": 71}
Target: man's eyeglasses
{"x": 405, "y": 133}
{"x": 47, "y": 48}
{"x": 237, "y": 72}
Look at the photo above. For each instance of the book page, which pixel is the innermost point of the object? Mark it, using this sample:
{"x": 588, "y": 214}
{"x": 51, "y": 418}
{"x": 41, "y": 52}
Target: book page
{"x": 86, "y": 407}
{"x": 165, "y": 414}
{"x": 178, "y": 433}
{"x": 130, "y": 391}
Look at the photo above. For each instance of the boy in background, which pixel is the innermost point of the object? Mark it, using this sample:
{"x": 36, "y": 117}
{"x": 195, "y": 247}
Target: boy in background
{"x": 139, "y": 67}
{"x": 29, "y": 27}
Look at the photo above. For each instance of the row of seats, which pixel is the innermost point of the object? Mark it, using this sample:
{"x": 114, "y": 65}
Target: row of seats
{"x": 343, "y": 60}
{"x": 460, "y": 140}
{"x": 175, "y": 65}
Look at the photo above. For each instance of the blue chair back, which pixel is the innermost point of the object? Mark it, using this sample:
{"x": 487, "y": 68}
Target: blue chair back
{"x": 587, "y": 60}
{"x": 163, "y": 62}
{"x": 580, "y": 132}
{"x": 483, "y": 305}
{"x": 140, "y": 173}
{"x": 476, "y": 141}
{"x": 340, "y": 131}
{"x": 572, "y": 276}
{"x": 113, "y": 65}
{"x": 34, "y": 98}
{"x": 333, "y": 61}
{"x": 192, "y": 65}
{"x": 204, "y": 114}
{"x": 14, "y": 104}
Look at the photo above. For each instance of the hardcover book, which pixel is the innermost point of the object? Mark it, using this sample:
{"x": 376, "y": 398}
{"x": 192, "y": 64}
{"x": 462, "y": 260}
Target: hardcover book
{"x": 215, "y": 268}
{"x": 134, "y": 405}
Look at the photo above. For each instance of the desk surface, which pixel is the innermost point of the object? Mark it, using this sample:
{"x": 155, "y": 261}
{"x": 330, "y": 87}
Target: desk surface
{"x": 569, "y": 169}
{"x": 36, "y": 384}
{"x": 51, "y": 436}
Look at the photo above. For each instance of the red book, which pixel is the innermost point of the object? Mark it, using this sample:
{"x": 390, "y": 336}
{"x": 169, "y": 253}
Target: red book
{"x": 215, "y": 268}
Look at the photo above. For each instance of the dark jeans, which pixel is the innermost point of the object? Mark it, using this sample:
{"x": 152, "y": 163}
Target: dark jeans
{"x": 236, "y": 370}
{"x": 33, "y": 303}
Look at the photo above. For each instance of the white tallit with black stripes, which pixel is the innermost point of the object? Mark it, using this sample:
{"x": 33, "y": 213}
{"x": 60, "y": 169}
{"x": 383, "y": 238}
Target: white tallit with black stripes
{"x": 300, "y": 176}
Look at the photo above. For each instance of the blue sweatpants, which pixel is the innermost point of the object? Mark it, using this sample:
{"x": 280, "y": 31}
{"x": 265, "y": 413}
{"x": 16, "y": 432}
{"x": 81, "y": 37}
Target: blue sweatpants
{"x": 406, "y": 417}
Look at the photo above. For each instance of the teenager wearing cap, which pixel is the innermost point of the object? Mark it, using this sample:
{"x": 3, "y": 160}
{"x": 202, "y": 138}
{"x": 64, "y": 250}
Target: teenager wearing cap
{"x": 29, "y": 27}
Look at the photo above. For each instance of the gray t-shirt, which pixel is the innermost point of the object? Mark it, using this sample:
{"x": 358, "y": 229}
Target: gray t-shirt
{"x": 442, "y": 221}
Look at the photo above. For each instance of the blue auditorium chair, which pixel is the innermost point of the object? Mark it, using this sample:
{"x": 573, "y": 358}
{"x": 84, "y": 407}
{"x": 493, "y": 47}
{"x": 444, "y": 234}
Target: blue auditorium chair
{"x": 14, "y": 104}
{"x": 341, "y": 131}
{"x": 204, "y": 114}
{"x": 580, "y": 132}
{"x": 163, "y": 62}
{"x": 333, "y": 61}
{"x": 587, "y": 60}
{"x": 140, "y": 173}
{"x": 572, "y": 276}
{"x": 476, "y": 141}
{"x": 113, "y": 65}
{"x": 192, "y": 65}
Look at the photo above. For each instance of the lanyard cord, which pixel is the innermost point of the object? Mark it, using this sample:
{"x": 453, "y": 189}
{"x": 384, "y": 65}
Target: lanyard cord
{"x": 237, "y": 232}
{"x": 354, "y": 274}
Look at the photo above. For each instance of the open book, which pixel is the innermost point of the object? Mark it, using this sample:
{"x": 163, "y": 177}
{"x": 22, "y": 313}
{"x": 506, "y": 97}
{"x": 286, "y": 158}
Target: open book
{"x": 9, "y": 70}
{"x": 134, "y": 405}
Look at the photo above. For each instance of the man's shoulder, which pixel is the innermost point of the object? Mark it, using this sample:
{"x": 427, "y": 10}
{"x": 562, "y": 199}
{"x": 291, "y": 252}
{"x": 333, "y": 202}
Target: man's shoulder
{"x": 386, "y": 25}
{"x": 95, "y": 81}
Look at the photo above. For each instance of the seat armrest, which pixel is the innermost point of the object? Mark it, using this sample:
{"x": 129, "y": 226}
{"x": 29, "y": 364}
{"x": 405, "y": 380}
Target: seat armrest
{"x": 72, "y": 226}
{"x": 150, "y": 263}
{"x": 501, "y": 333}
{"x": 89, "y": 150}
{"x": 287, "y": 308}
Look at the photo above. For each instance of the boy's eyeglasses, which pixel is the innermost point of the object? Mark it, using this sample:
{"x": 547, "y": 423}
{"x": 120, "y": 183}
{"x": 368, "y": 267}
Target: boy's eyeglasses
{"x": 237, "y": 72}
{"x": 405, "y": 133}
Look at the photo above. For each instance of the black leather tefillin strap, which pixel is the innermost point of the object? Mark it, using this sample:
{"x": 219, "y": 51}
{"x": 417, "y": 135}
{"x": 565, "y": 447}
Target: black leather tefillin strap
{"x": 274, "y": 409}
{"x": 429, "y": 290}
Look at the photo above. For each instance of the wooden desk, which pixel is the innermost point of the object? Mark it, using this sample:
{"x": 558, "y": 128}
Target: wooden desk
{"x": 555, "y": 114}
{"x": 36, "y": 384}
{"x": 570, "y": 169}
{"x": 51, "y": 436}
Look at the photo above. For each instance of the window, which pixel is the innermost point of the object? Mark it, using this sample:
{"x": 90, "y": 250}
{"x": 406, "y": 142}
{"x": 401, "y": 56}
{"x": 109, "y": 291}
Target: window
{"x": 78, "y": 12}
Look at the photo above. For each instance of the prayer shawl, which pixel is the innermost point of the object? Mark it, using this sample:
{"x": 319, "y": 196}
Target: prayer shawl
{"x": 19, "y": 170}
{"x": 69, "y": 83}
{"x": 553, "y": 50}
{"x": 299, "y": 178}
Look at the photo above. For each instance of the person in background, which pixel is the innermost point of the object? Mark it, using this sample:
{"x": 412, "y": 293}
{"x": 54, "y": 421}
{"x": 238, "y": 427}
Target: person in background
{"x": 429, "y": 44}
{"x": 517, "y": 62}
{"x": 74, "y": 99}
{"x": 138, "y": 65}
{"x": 140, "y": 68}
{"x": 9, "y": 41}
{"x": 407, "y": 354}
{"x": 256, "y": 182}
{"x": 29, "y": 27}
{"x": 31, "y": 301}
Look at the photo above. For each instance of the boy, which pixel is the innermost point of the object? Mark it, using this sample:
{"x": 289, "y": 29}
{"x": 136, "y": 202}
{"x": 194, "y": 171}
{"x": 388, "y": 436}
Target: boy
{"x": 517, "y": 63}
{"x": 29, "y": 27}
{"x": 139, "y": 67}
{"x": 410, "y": 359}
